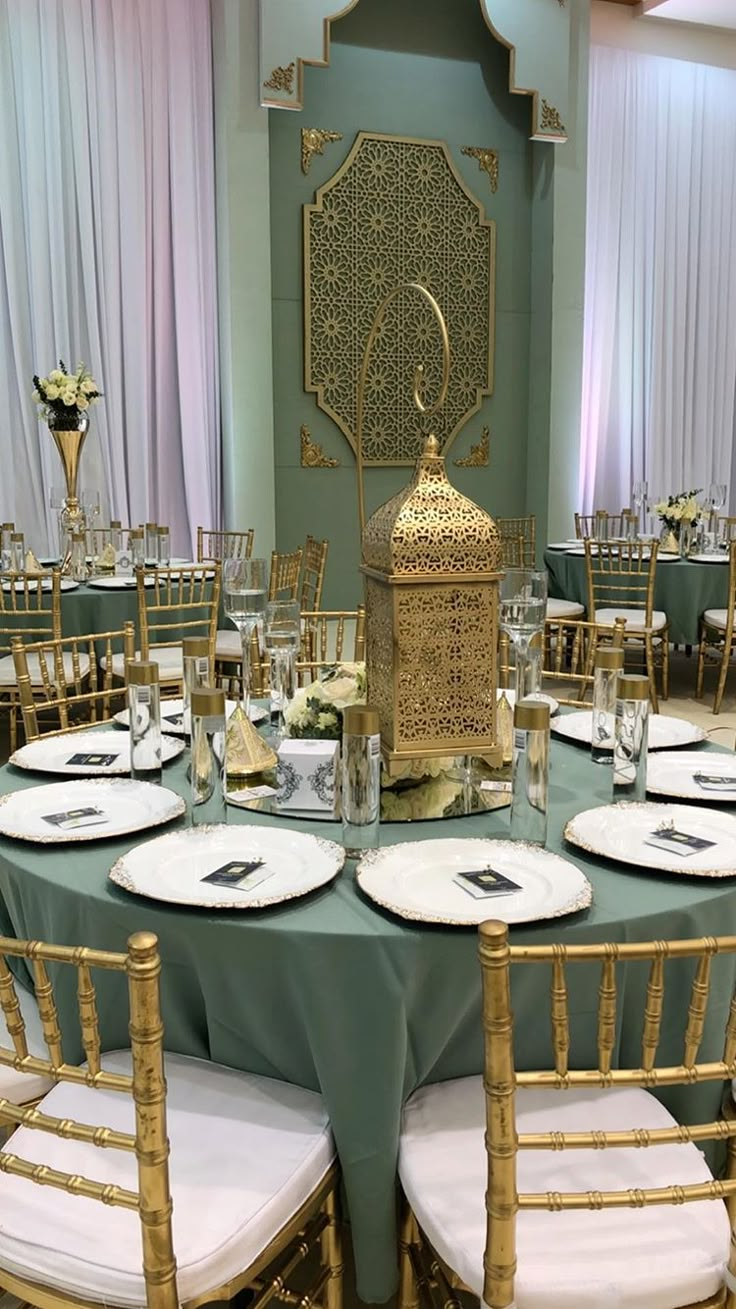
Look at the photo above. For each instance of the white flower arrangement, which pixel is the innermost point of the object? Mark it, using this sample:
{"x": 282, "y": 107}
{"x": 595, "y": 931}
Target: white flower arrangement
{"x": 678, "y": 509}
{"x": 63, "y": 397}
{"x": 316, "y": 710}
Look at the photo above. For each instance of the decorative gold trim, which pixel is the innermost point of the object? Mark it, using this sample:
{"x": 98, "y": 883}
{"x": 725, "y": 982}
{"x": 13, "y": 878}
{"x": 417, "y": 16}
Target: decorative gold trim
{"x": 314, "y": 140}
{"x": 478, "y": 457}
{"x": 282, "y": 79}
{"x": 315, "y": 211}
{"x": 551, "y": 121}
{"x": 301, "y": 64}
{"x": 312, "y": 454}
{"x": 487, "y": 162}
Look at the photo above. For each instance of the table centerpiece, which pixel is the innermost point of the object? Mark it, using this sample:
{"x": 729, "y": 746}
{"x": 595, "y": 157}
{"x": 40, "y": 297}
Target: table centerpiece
{"x": 64, "y": 400}
{"x": 675, "y": 513}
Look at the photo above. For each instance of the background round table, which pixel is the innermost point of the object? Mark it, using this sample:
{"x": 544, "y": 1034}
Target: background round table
{"x": 683, "y": 589}
{"x": 336, "y": 995}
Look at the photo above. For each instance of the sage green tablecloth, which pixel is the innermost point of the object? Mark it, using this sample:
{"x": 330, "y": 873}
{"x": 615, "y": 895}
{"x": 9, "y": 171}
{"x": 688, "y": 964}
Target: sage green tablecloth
{"x": 334, "y": 994}
{"x": 90, "y": 609}
{"x": 683, "y": 589}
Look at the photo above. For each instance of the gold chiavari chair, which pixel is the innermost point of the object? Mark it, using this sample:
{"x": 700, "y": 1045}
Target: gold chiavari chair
{"x": 69, "y": 685}
{"x": 213, "y": 544}
{"x": 586, "y": 1170}
{"x": 621, "y": 585}
{"x": 283, "y": 582}
{"x": 567, "y": 652}
{"x": 726, "y": 528}
{"x": 325, "y": 637}
{"x": 510, "y": 529}
{"x": 260, "y": 1165}
{"x": 174, "y": 603}
{"x": 314, "y": 561}
{"x": 30, "y": 608}
{"x": 605, "y": 526}
{"x": 512, "y": 551}
{"x": 717, "y": 635}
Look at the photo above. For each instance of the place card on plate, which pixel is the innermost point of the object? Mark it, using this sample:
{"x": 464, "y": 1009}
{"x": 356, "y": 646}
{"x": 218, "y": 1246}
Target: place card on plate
{"x": 670, "y": 838}
{"x": 715, "y": 781}
{"x": 485, "y": 882}
{"x": 307, "y": 774}
{"x": 70, "y": 819}
{"x": 245, "y": 874}
{"x": 90, "y": 760}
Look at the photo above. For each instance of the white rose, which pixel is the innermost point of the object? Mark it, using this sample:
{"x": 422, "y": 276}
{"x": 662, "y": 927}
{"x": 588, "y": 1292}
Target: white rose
{"x": 89, "y": 385}
{"x": 326, "y": 721}
{"x": 82, "y": 402}
{"x": 56, "y": 376}
{"x": 52, "y": 392}
{"x": 69, "y": 397}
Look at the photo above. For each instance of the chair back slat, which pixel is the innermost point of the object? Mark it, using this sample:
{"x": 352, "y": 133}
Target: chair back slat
{"x": 313, "y": 573}
{"x": 729, "y": 1048}
{"x": 221, "y": 545}
{"x": 152, "y": 1200}
{"x": 697, "y": 1009}
{"x": 560, "y": 1015}
{"x": 283, "y": 581}
{"x": 47, "y": 1012}
{"x": 88, "y": 1018}
{"x": 607, "y": 1014}
{"x": 653, "y": 1013}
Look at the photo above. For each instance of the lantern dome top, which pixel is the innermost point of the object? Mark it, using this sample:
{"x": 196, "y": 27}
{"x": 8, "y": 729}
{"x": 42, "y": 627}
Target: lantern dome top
{"x": 429, "y": 528}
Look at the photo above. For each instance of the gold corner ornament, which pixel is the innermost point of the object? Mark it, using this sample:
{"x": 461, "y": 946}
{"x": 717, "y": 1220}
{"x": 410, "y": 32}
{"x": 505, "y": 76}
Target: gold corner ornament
{"x": 282, "y": 79}
{"x": 478, "y": 457}
{"x": 551, "y": 121}
{"x": 312, "y": 454}
{"x": 314, "y": 140}
{"x": 487, "y": 162}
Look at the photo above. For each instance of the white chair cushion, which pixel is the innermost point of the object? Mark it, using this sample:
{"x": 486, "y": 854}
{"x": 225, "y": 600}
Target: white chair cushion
{"x": 228, "y": 645}
{"x": 716, "y": 618}
{"x": 661, "y": 1256}
{"x": 564, "y": 609}
{"x": 246, "y": 1152}
{"x": 20, "y": 1087}
{"x": 168, "y": 657}
{"x": 7, "y": 669}
{"x": 635, "y": 618}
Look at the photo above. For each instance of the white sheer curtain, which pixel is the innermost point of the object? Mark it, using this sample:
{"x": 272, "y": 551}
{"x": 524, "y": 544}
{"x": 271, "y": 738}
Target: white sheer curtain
{"x": 659, "y": 384}
{"x": 107, "y": 253}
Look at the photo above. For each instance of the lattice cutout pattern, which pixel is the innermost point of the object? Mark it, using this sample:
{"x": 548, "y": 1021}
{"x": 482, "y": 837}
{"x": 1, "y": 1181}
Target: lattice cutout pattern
{"x": 397, "y": 211}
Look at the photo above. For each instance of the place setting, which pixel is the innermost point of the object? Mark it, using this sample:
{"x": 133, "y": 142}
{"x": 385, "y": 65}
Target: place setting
{"x": 665, "y": 732}
{"x": 92, "y": 809}
{"x": 97, "y": 753}
{"x": 668, "y": 838}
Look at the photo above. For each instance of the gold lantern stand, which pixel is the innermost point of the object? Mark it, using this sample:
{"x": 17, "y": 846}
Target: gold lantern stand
{"x": 430, "y": 559}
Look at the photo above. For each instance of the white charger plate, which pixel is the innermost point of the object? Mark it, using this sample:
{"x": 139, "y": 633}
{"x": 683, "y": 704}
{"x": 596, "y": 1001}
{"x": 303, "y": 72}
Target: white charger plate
{"x": 564, "y": 545}
{"x": 127, "y": 806}
{"x": 50, "y": 754}
{"x": 415, "y": 881}
{"x": 554, "y": 705}
{"x": 65, "y": 584}
{"x": 171, "y": 867}
{"x": 620, "y": 832}
{"x": 673, "y": 773}
{"x": 665, "y": 733}
{"x": 709, "y": 559}
{"x": 115, "y": 583}
{"x": 174, "y": 709}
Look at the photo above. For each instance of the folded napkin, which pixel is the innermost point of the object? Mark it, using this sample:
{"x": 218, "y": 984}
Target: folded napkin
{"x": 31, "y": 564}
{"x": 108, "y": 556}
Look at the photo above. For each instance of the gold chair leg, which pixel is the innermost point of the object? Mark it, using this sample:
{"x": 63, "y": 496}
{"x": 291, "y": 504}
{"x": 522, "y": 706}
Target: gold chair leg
{"x": 701, "y": 663}
{"x": 722, "y": 675}
{"x": 666, "y": 664}
{"x": 649, "y": 655}
{"x": 331, "y": 1247}
{"x": 408, "y": 1288}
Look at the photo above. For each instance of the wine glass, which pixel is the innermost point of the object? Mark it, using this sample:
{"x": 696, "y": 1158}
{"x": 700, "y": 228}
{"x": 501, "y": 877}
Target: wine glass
{"x": 282, "y": 631}
{"x": 244, "y": 586}
{"x": 523, "y": 601}
{"x": 639, "y": 498}
{"x": 717, "y": 497}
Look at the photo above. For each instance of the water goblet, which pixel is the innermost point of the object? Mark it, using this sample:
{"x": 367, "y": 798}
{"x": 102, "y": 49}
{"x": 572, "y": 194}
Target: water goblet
{"x": 244, "y": 586}
{"x": 639, "y": 497}
{"x": 282, "y": 632}
{"x": 523, "y": 604}
{"x": 717, "y": 496}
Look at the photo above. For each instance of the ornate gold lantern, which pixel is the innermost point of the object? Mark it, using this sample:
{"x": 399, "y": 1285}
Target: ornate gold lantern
{"x": 430, "y": 561}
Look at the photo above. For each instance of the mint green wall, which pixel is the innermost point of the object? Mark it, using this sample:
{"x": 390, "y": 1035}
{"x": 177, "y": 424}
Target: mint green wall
{"x": 425, "y": 68}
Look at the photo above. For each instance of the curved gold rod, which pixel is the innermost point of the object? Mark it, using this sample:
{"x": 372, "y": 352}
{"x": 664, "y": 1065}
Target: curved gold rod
{"x": 426, "y": 410}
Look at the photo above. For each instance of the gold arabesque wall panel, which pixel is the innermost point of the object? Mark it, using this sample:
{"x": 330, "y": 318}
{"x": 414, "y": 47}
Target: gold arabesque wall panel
{"x": 397, "y": 211}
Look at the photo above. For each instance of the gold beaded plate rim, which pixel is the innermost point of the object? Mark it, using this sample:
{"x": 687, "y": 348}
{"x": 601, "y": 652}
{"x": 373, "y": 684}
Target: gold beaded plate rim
{"x": 93, "y": 742}
{"x": 174, "y": 808}
{"x": 332, "y": 854}
{"x": 659, "y": 812}
{"x": 483, "y": 847}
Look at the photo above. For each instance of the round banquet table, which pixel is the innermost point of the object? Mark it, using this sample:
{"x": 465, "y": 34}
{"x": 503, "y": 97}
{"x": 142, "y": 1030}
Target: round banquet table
{"x": 336, "y": 995}
{"x": 683, "y": 589}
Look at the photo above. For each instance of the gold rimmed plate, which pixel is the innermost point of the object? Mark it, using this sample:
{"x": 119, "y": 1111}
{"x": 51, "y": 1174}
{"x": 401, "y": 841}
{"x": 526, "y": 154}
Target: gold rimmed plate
{"x": 93, "y": 809}
{"x": 442, "y": 881}
{"x": 664, "y": 838}
{"x": 222, "y": 867}
{"x": 665, "y": 732}
{"x": 86, "y": 754}
{"x": 693, "y": 775}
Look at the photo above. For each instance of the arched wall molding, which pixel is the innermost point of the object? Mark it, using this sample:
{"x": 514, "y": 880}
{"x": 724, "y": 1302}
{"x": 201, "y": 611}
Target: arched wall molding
{"x": 296, "y": 33}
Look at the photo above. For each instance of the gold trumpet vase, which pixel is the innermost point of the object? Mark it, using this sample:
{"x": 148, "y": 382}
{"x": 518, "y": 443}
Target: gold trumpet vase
{"x": 69, "y": 442}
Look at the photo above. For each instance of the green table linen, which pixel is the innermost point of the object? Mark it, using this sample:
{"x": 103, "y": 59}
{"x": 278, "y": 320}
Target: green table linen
{"x": 683, "y": 589}
{"x": 333, "y": 994}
